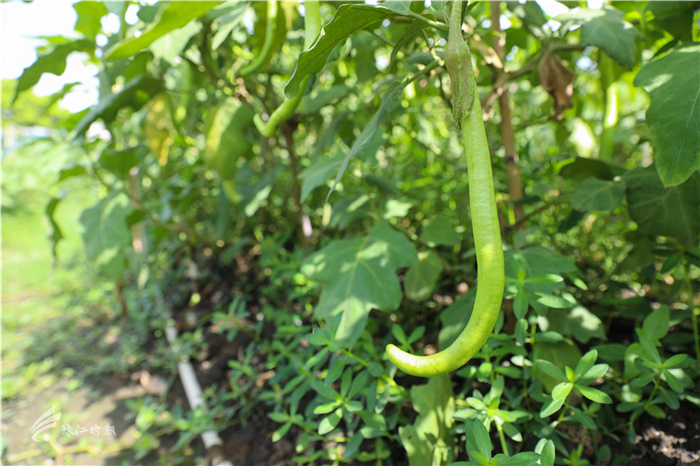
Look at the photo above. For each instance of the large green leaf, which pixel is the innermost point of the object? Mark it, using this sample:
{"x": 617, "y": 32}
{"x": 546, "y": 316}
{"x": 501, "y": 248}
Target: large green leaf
{"x": 119, "y": 162}
{"x": 605, "y": 28}
{"x": 319, "y": 173}
{"x": 174, "y": 16}
{"x": 577, "y": 322}
{"x": 347, "y": 20}
{"x": 675, "y": 17}
{"x": 134, "y": 94}
{"x": 90, "y": 14}
{"x": 367, "y": 141}
{"x": 53, "y": 62}
{"x": 673, "y": 83}
{"x": 106, "y": 233}
{"x": 597, "y": 195}
{"x": 428, "y": 441}
{"x": 455, "y": 317}
{"x": 439, "y": 232}
{"x": 251, "y": 190}
{"x": 529, "y": 12}
{"x": 422, "y": 276}
{"x": 581, "y": 168}
{"x": 357, "y": 276}
{"x": 664, "y": 211}
{"x": 538, "y": 261}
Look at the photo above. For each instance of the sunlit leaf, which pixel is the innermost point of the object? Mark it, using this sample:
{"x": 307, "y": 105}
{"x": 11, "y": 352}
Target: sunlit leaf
{"x": 357, "y": 276}
{"x": 173, "y": 16}
{"x": 673, "y": 83}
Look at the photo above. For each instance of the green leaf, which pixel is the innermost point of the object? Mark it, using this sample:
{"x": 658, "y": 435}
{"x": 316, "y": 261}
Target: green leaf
{"x": 225, "y": 140}
{"x": 358, "y": 383}
{"x": 554, "y": 301}
{"x": 670, "y": 399}
{"x": 597, "y": 195}
{"x": 664, "y": 211}
{"x": 529, "y": 12}
{"x": 366, "y": 141}
{"x": 395, "y": 208}
{"x": 605, "y": 28}
{"x": 53, "y": 62}
{"x": 326, "y": 407}
{"x": 520, "y": 304}
{"x": 479, "y": 437}
{"x": 594, "y": 394}
{"x": 675, "y": 360}
{"x": 399, "y": 334}
{"x": 135, "y": 94}
{"x": 278, "y": 417}
{"x": 586, "y": 363}
{"x": 89, "y": 14}
{"x": 422, "y": 276}
{"x": 430, "y": 433}
{"x": 173, "y": 16}
{"x": 253, "y": 189}
{"x": 538, "y": 261}
{"x": 656, "y": 324}
{"x": 439, "y": 232}
{"x": 612, "y": 352}
{"x": 562, "y": 354}
{"x": 227, "y": 22}
{"x": 324, "y": 390}
{"x": 550, "y": 369}
{"x": 329, "y": 422}
{"x": 673, "y": 382}
{"x": 353, "y": 445}
{"x": 120, "y": 162}
{"x": 673, "y": 84}
{"x": 106, "y": 233}
{"x": 649, "y": 348}
{"x": 170, "y": 46}
{"x": 655, "y": 411}
{"x": 675, "y": 17}
{"x": 312, "y": 104}
{"x": 281, "y": 432}
{"x": 582, "y": 168}
{"x": 524, "y": 458}
{"x": 347, "y": 20}
{"x": 596, "y": 372}
{"x": 357, "y": 276}
{"x": 546, "y": 449}
{"x": 318, "y": 173}
{"x": 552, "y": 407}
{"x": 583, "y": 418}
{"x": 454, "y": 317}
{"x": 562, "y": 390}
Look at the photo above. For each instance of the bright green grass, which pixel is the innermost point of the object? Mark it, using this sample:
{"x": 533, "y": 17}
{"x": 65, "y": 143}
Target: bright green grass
{"x": 35, "y": 286}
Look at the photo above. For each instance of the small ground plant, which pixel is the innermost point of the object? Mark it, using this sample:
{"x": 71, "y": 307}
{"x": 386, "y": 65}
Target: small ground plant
{"x": 399, "y": 232}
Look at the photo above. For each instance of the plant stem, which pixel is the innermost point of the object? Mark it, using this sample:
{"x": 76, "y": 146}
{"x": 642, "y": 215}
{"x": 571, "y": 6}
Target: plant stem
{"x": 566, "y": 408}
{"x": 607, "y": 85}
{"x": 649, "y": 400}
{"x": 515, "y": 186}
{"x": 693, "y": 310}
{"x": 429, "y": 22}
{"x": 502, "y": 438}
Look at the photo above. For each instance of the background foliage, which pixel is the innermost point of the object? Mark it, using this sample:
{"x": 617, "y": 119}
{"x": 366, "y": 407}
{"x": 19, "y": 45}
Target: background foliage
{"x": 349, "y": 228}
